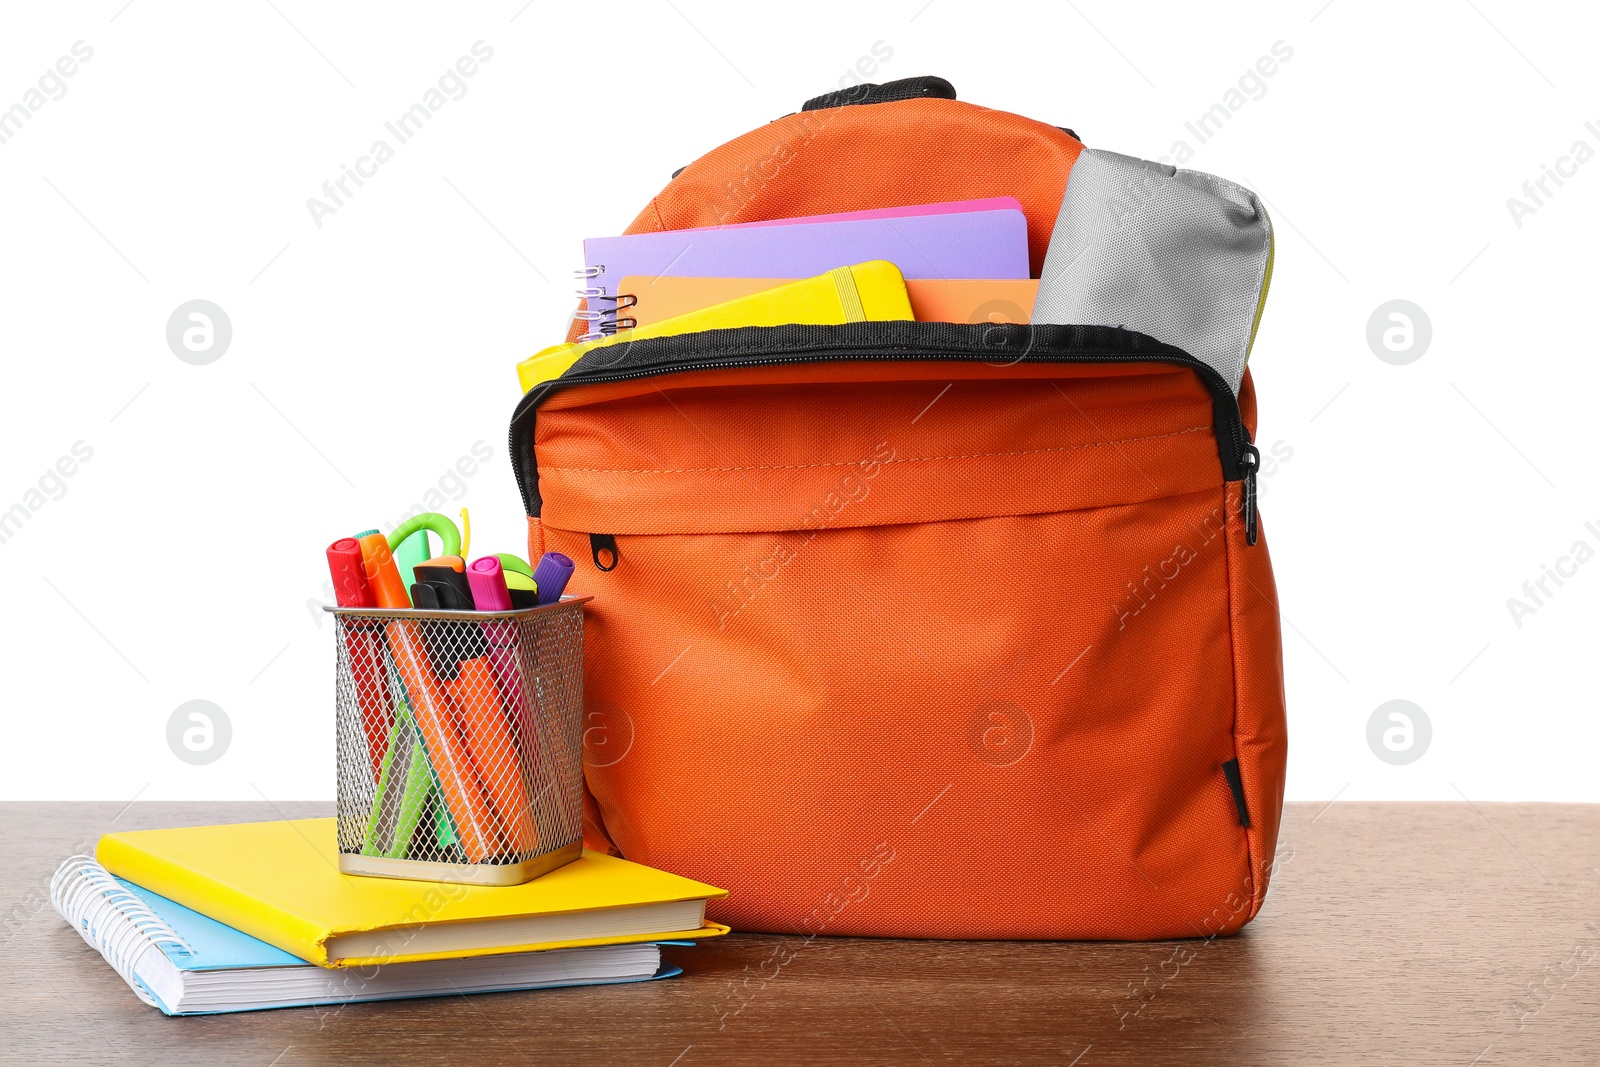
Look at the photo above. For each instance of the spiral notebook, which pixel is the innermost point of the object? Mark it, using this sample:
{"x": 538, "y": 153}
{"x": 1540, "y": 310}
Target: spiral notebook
{"x": 183, "y": 963}
{"x": 859, "y": 293}
{"x": 960, "y": 244}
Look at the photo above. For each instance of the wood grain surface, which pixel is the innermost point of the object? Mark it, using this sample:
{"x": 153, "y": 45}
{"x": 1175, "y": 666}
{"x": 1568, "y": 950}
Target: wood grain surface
{"x": 1393, "y": 934}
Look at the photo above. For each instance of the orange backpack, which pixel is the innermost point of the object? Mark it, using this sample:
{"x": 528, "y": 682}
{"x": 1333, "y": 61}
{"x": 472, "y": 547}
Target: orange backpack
{"x": 915, "y": 628}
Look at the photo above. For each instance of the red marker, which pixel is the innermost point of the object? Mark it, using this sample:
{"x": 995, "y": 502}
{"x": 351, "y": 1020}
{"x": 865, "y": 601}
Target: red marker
{"x": 350, "y": 586}
{"x": 364, "y": 645}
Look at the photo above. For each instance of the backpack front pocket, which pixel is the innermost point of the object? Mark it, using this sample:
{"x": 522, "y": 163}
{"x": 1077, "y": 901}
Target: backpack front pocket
{"x": 917, "y": 647}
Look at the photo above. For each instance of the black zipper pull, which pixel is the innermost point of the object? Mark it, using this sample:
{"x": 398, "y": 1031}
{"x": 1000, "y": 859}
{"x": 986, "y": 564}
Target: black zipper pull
{"x": 1251, "y": 461}
{"x": 603, "y": 547}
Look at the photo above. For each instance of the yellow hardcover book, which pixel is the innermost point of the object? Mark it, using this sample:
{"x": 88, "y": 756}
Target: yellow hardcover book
{"x": 870, "y": 291}
{"x": 280, "y": 882}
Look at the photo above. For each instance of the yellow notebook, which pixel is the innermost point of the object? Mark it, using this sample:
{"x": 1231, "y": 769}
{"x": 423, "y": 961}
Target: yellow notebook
{"x": 865, "y": 292}
{"x": 280, "y": 882}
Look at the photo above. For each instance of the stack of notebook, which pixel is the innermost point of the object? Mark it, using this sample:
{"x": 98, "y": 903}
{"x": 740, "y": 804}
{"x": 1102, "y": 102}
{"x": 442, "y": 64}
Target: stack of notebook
{"x": 236, "y": 918}
{"x": 961, "y": 261}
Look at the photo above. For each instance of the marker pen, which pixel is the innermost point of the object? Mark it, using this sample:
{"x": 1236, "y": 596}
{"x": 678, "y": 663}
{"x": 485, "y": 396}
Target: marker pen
{"x": 486, "y": 579}
{"x": 350, "y": 586}
{"x": 495, "y": 752}
{"x": 442, "y": 586}
{"x": 382, "y": 574}
{"x": 513, "y": 564}
{"x": 450, "y": 573}
{"x": 410, "y": 552}
{"x": 551, "y": 576}
{"x": 524, "y": 591}
{"x": 363, "y": 643}
{"x": 489, "y": 593}
{"x": 464, "y": 657}
{"x": 452, "y": 761}
{"x": 404, "y": 782}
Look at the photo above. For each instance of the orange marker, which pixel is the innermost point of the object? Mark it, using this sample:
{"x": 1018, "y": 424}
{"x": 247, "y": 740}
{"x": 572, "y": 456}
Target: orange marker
{"x": 382, "y": 575}
{"x": 495, "y": 752}
{"x": 447, "y": 750}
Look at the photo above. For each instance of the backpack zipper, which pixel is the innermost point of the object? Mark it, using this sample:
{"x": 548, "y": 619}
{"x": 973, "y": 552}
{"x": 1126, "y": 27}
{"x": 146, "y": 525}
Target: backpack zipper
{"x": 603, "y": 548}
{"x": 1247, "y": 502}
{"x": 893, "y": 341}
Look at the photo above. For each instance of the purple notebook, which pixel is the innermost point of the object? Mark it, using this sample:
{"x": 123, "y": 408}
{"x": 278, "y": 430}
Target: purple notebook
{"x": 968, "y": 244}
{"x": 945, "y": 207}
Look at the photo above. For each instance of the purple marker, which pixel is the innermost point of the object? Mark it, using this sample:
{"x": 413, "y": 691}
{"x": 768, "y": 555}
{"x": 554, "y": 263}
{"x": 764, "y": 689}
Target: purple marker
{"x": 551, "y": 576}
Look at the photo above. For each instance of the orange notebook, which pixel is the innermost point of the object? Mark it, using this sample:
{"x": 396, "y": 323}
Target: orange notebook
{"x": 932, "y": 299}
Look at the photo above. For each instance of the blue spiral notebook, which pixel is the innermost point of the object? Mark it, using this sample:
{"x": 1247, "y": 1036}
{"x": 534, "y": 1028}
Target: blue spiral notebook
{"x": 184, "y": 963}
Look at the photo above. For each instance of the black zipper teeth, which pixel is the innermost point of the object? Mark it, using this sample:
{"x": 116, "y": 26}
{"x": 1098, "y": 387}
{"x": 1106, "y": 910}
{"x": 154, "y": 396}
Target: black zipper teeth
{"x": 1225, "y": 405}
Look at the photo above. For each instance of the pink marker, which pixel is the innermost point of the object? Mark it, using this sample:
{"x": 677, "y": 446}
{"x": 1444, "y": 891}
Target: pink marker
{"x": 488, "y": 584}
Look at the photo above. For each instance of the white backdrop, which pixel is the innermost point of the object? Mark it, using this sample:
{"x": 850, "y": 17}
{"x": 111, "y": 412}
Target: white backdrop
{"x": 172, "y": 516}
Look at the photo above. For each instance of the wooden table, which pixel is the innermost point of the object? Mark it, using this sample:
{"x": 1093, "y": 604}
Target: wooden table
{"x": 1394, "y": 933}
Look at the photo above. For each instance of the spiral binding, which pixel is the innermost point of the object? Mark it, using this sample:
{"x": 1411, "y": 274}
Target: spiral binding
{"x": 606, "y": 321}
{"x": 113, "y": 921}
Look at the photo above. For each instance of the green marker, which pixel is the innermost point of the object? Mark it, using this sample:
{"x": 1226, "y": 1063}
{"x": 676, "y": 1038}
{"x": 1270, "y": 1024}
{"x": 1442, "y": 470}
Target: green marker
{"x": 404, "y": 782}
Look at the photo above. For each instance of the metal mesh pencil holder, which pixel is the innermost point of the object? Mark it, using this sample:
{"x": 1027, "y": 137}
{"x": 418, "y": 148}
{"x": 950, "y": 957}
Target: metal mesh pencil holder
{"x": 460, "y": 752}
